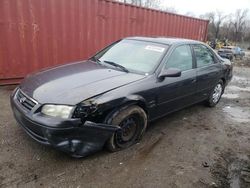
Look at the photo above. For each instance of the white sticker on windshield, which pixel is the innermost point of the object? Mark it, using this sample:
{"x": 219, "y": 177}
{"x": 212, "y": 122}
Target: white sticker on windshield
{"x": 155, "y": 48}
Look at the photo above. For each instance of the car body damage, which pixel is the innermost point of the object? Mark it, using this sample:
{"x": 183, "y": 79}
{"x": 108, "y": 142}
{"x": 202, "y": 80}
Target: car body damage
{"x": 77, "y": 137}
{"x": 80, "y": 107}
{"x": 98, "y": 107}
{"x": 87, "y": 133}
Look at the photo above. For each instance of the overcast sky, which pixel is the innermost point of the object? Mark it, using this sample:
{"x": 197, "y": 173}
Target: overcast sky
{"x": 199, "y": 7}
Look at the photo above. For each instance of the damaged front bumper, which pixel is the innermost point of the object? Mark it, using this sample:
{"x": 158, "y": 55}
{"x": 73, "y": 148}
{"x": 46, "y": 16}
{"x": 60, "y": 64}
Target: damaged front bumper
{"x": 67, "y": 135}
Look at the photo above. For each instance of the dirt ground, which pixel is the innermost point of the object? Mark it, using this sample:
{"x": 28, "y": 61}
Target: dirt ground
{"x": 195, "y": 147}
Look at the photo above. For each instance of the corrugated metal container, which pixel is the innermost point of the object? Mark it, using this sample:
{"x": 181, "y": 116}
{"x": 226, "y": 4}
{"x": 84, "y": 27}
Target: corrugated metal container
{"x": 35, "y": 34}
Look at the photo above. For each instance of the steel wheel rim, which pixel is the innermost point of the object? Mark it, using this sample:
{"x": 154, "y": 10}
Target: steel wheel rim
{"x": 217, "y": 93}
{"x": 128, "y": 131}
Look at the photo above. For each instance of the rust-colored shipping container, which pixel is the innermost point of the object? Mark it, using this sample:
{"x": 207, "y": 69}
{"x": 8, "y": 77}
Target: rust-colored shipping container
{"x": 35, "y": 34}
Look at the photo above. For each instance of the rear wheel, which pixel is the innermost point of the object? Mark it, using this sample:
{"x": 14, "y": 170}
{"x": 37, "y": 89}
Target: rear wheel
{"x": 133, "y": 122}
{"x": 215, "y": 95}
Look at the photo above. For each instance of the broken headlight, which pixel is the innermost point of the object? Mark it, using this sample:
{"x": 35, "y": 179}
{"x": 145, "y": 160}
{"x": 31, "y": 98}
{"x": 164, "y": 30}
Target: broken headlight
{"x": 85, "y": 109}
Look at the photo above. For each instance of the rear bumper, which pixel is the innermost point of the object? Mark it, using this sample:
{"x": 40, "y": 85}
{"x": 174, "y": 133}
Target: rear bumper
{"x": 225, "y": 55}
{"x": 70, "y": 136}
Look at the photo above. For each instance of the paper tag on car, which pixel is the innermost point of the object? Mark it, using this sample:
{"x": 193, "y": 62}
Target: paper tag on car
{"x": 154, "y": 48}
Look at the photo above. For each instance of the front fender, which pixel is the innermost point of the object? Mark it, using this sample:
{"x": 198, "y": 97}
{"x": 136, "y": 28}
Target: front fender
{"x": 96, "y": 109}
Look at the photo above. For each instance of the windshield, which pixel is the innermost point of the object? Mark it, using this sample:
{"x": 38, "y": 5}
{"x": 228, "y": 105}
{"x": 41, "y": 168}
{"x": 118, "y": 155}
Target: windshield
{"x": 138, "y": 56}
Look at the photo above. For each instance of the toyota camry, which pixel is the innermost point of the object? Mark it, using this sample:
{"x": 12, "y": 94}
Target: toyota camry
{"x": 110, "y": 99}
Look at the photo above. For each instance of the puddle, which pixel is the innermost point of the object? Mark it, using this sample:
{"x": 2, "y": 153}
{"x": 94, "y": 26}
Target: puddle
{"x": 234, "y": 174}
{"x": 238, "y": 114}
{"x": 239, "y": 79}
{"x": 236, "y": 88}
{"x": 238, "y": 172}
{"x": 232, "y": 171}
{"x": 230, "y": 96}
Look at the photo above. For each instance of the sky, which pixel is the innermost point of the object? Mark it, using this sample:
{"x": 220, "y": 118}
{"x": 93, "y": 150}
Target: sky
{"x": 198, "y": 7}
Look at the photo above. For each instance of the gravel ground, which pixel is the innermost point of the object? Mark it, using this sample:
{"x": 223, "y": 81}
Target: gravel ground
{"x": 195, "y": 147}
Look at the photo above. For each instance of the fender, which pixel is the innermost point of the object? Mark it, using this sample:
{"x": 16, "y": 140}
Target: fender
{"x": 95, "y": 109}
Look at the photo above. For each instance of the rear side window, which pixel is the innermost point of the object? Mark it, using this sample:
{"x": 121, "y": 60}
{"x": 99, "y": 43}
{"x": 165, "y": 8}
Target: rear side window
{"x": 181, "y": 58}
{"x": 203, "y": 55}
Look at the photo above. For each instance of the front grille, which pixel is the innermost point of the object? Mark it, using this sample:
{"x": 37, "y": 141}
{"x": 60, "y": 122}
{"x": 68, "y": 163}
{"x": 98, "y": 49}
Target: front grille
{"x": 25, "y": 101}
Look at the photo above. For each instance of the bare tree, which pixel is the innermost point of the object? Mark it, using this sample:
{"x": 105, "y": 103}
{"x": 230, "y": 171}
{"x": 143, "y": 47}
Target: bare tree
{"x": 215, "y": 22}
{"x": 218, "y": 22}
{"x": 152, "y": 3}
{"x": 239, "y": 23}
{"x": 144, "y": 3}
{"x": 191, "y": 14}
{"x": 169, "y": 9}
{"x": 226, "y": 29}
{"x": 247, "y": 33}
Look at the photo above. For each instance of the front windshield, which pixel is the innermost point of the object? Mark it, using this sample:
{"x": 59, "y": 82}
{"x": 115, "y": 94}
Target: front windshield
{"x": 138, "y": 56}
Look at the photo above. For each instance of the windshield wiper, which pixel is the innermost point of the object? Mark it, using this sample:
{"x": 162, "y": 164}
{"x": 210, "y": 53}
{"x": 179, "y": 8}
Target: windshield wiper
{"x": 116, "y": 65}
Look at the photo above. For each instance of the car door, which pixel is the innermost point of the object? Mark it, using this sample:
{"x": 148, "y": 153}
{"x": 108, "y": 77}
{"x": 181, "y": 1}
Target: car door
{"x": 208, "y": 70}
{"x": 177, "y": 92}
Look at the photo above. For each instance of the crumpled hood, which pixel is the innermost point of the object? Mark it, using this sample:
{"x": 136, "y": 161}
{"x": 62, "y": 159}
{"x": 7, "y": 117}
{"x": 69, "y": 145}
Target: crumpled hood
{"x": 75, "y": 82}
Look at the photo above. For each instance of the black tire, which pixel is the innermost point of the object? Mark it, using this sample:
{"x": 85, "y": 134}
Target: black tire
{"x": 133, "y": 121}
{"x": 214, "y": 99}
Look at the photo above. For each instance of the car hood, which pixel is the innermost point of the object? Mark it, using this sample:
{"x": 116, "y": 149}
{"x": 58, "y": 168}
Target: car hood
{"x": 75, "y": 82}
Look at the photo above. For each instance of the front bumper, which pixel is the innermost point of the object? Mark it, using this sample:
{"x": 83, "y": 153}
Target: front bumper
{"x": 70, "y": 136}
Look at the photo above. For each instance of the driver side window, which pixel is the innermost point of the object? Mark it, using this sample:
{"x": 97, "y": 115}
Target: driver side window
{"x": 181, "y": 58}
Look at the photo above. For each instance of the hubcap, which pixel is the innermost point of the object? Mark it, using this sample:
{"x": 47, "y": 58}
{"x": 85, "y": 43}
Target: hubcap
{"x": 217, "y": 93}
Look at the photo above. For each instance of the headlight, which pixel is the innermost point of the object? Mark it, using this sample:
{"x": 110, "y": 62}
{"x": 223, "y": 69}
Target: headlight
{"x": 61, "y": 111}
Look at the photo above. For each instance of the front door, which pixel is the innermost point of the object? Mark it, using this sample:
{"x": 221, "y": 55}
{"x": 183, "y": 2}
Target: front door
{"x": 177, "y": 92}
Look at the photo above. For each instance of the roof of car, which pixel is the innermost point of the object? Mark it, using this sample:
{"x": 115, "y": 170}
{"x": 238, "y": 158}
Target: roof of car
{"x": 166, "y": 40}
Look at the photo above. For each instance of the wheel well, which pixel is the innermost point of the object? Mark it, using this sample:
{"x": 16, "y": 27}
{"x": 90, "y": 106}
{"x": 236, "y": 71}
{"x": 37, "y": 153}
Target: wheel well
{"x": 128, "y": 103}
{"x": 224, "y": 81}
{"x": 143, "y": 106}
{"x": 138, "y": 103}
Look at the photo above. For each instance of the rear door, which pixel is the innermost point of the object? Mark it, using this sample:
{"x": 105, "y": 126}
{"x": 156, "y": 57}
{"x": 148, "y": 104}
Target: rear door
{"x": 209, "y": 70}
{"x": 177, "y": 92}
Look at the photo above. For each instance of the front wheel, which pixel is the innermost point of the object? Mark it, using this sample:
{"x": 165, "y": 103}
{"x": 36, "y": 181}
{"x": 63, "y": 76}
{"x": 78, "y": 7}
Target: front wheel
{"x": 215, "y": 95}
{"x": 133, "y": 123}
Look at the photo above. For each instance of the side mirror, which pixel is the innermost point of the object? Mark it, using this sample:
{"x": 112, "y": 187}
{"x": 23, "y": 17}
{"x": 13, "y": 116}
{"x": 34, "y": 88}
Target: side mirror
{"x": 170, "y": 72}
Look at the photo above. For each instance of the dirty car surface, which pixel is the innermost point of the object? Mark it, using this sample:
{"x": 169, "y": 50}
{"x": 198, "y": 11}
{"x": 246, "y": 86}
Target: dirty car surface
{"x": 110, "y": 98}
